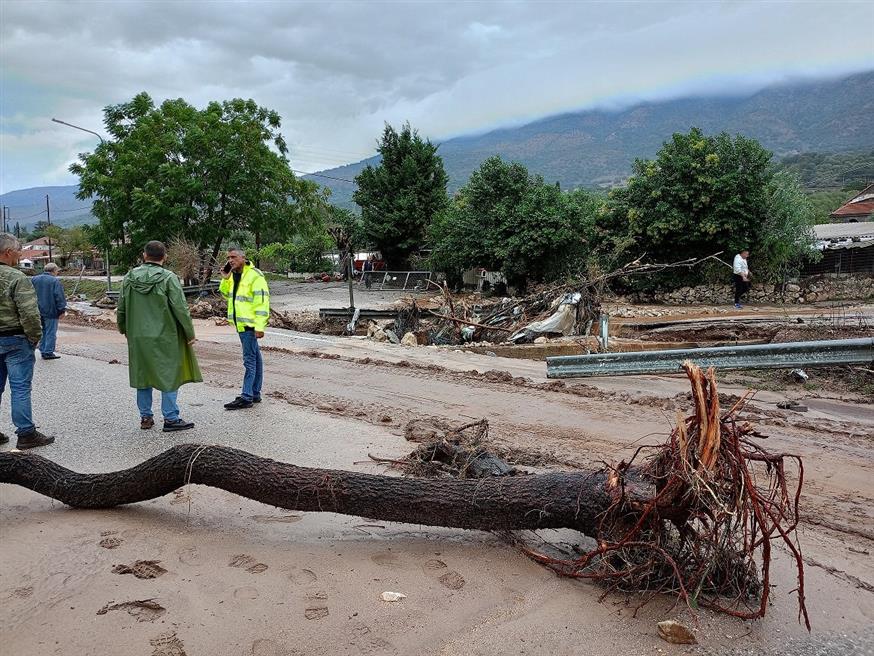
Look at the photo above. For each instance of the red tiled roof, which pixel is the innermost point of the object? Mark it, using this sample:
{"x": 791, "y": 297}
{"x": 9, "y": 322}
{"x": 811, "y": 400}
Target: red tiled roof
{"x": 863, "y": 208}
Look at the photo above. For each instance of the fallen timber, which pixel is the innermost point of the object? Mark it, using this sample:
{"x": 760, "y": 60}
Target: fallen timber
{"x": 789, "y": 355}
{"x": 698, "y": 518}
{"x": 557, "y": 500}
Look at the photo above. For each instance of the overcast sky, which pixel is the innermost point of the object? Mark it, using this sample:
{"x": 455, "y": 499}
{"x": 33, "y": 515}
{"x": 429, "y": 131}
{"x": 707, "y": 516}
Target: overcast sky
{"x": 337, "y": 71}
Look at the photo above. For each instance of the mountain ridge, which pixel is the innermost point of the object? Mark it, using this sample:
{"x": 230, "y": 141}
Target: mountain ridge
{"x": 596, "y": 147}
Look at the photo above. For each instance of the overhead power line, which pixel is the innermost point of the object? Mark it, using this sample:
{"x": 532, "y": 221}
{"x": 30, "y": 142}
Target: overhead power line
{"x": 321, "y": 175}
{"x": 30, "y": 216}
{"x": 75, "y": 209}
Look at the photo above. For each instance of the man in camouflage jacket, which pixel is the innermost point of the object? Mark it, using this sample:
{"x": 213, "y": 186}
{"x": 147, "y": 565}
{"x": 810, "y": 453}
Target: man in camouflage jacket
{"x": 20, "y": 332}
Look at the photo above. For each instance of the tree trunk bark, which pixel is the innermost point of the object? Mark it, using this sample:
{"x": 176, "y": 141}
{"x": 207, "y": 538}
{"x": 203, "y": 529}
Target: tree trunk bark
{"x": 559, "y": 500}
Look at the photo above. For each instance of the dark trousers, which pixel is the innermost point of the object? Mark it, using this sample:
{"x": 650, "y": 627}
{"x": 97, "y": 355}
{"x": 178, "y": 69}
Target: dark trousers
{"x": 741, "y": 287}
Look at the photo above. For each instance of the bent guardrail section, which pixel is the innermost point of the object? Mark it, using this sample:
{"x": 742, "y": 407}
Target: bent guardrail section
{"x": 789, "y": 355}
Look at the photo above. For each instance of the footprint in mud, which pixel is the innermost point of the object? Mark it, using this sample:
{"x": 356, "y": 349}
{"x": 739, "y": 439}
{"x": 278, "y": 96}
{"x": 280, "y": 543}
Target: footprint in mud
{"x": 282, "y": 519}
{"x": 142, "y": 569}
{"x": 247, "y": 592}
{"x": 245, "y": 561}
{"x": 433, "y": 565}
{"x": 316, "y": 612}
{"x": 267, "y": 647}
{"x": 189, "y": 556}
{"x": 367, "y": 643}
{"x": 23, "y": 592}
{"x": 303, "y": 577}
{"x": 167, "y": 644}
{"x": 385, "y": 558}
{"x": 111, "y": 543}
{"x": 452, "y": 580}
{"x": 103, "y": 534}
{"x": 144, "y": 610}
{"x": 318, "y": 595}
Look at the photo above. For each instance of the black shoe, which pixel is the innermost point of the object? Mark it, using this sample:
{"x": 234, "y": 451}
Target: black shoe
{"x": 238, "y": 403}
{"x": 50, "y": 356}
{"x": 257, "y": 399}
{"x": 177, "y": 425}
{"x": 147, "y": 422}
{"x": 32, "y": 440}
{"x": 4, "y": 438}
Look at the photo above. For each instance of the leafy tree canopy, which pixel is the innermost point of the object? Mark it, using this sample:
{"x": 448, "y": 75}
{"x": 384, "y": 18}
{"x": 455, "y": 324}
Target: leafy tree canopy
{"x": 703, "y": 194}
{"x": 174, "y": 170}
{"x": 509, "y": 220}
{"x": 401, "y": 195}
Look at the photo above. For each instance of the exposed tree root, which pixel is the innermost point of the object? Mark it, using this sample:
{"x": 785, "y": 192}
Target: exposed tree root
{"x": 729, "y": 499}
{"x": 696, "y": 518}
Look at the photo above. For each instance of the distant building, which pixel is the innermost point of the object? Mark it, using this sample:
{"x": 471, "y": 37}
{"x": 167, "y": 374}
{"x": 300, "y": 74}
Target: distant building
{"x": 38, "y": 250}
{"x": 859, "y": 208}
{"x": 846, "y": 248}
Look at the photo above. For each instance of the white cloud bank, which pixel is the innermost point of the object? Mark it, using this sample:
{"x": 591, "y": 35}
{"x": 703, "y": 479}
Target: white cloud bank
{"x": 337, "y": 71}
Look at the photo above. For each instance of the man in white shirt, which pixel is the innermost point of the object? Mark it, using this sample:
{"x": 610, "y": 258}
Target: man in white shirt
{"x": 741, "y": 276}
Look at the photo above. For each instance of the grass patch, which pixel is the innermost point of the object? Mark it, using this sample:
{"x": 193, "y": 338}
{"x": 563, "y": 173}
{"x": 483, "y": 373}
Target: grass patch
{"x": 92, "y": 289}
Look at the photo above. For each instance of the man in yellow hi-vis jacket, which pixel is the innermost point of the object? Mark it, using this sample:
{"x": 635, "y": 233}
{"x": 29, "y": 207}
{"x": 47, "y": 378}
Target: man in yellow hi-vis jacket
{"x": 248, "y": 311}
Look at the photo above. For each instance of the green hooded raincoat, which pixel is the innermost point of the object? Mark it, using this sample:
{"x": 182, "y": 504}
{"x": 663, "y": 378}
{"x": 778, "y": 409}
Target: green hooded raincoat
{"x": 153, "y": 315}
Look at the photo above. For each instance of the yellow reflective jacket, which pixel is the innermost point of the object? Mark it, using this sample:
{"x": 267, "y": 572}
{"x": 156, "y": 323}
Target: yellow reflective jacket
{"x": 249, "y": 307}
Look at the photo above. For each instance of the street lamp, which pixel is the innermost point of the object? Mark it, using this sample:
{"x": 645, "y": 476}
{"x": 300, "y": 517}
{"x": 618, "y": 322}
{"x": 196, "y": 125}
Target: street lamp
{"x": 102, "y": 141}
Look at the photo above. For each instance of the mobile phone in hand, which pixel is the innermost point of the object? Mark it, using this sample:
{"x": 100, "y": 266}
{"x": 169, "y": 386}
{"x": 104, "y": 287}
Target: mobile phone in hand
{"x": 227, "y": 267}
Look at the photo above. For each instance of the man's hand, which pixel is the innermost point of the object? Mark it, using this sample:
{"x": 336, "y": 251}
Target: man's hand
{"x": 259, "y": 334}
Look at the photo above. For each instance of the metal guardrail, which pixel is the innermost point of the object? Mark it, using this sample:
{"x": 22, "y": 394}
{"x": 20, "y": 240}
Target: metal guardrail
{"x": 346, "y": 313}
{"x": 789, "y": 355}
{"x": 402, "y": 280}
{"x": 192, "y": 290}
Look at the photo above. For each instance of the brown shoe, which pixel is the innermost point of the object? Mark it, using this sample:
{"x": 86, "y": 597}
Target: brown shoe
{"x": 33, "y": 440}
{"x": 147, "y": 422}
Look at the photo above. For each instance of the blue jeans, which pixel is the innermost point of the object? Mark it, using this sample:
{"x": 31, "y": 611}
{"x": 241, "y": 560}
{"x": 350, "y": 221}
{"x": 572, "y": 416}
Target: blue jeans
{"x": 254, "y": 374}
{"x": 169, "y": 407}
{"x": 49, "y": 335}
{"x": 16, "y": 364}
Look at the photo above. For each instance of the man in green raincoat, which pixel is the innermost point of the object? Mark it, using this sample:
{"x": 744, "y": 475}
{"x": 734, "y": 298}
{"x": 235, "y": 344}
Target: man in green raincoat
{"x": 153, "y": 315}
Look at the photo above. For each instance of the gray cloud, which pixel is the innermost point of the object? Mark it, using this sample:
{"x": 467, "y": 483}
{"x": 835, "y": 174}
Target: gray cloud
{"x": 336, "y": 71}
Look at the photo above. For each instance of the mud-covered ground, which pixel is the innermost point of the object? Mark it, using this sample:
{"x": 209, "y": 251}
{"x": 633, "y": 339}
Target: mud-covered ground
{"x": 242, "y": 578}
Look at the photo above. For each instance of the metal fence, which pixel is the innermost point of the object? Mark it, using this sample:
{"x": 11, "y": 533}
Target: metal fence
{"x": 758, "y": 356}
{"x": 400, "y": 280}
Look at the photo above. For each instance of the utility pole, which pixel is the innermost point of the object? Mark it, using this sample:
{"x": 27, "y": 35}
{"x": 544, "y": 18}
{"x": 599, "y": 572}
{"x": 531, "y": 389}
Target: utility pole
{"x": 49, "y": 221}
{"x": 5, "y": 217}
{"x": 102, "y": 141}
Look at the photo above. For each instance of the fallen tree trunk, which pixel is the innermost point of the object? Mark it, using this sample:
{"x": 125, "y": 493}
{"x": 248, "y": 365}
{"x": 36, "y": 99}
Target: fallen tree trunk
{"x": 559, "y": 500}
{"x": 697, "y": 518}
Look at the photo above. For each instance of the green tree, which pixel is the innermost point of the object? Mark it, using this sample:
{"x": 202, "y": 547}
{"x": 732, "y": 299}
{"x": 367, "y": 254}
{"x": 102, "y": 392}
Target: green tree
{"x": 73, "y": 240}
{"x": 39, "y": 230}
{"x": 506, "y": 219}
{"x": 703, "y": 194}
{"x": 175, "y": 170}
{"x": 401, "y": 195}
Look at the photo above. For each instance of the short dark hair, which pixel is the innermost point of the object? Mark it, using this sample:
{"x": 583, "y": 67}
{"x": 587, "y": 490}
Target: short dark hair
{"x": 155, "y": 250}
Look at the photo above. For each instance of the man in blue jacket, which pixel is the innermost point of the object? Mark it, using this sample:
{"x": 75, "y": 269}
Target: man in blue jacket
{"x": 52, "y": 305}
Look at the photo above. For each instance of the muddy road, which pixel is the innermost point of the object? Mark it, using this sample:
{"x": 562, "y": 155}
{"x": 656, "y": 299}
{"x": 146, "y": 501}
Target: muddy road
{"x": 378, "y": 395}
